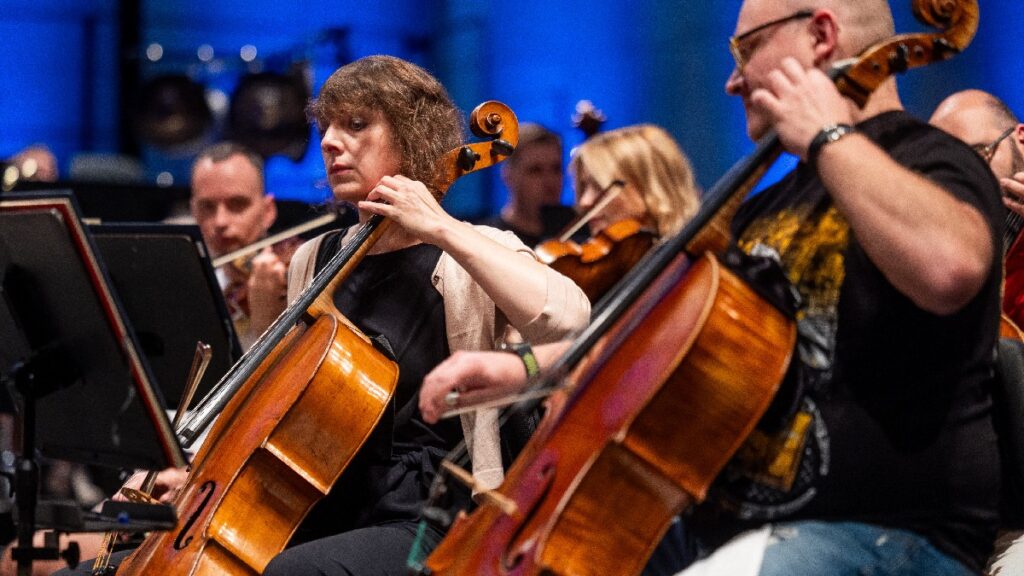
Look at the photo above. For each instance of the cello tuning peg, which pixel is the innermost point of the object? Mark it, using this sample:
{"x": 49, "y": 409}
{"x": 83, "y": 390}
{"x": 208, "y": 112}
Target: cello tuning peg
{"x": 502, "y": 147}
{"x": 467, "y": 158}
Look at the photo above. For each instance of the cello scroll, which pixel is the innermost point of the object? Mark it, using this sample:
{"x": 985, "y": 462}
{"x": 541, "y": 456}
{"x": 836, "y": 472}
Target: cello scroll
{"x": 958, "y": 21}
{"x": 493, "y": 120}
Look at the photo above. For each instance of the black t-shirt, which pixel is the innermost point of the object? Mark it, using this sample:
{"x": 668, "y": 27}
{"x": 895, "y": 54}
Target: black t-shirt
{"x": 895, "y": 424}
{"x": 391, "y": 299}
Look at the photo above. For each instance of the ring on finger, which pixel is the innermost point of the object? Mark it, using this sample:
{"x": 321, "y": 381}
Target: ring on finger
{"x": 451, "y": 399}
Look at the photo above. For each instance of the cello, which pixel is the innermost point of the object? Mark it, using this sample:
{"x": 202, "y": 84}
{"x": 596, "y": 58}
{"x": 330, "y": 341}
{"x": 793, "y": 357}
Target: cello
{"x": 280, "y": 439}
{"x": 630, "y": 443}
{"x": 1013, "y": 285}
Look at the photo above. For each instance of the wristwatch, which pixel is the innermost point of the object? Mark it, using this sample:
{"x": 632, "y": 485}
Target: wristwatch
{"x": 827, "y": 135}
{"x": 525, "y": 353}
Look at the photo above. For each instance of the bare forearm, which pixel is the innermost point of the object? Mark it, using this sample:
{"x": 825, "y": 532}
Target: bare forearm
{"x": 480, "y": 375}
{"x": 931, "y": 246}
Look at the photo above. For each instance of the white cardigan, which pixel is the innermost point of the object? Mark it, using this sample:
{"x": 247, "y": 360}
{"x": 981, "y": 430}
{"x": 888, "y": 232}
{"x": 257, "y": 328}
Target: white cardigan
{"x": 474, "y": 323}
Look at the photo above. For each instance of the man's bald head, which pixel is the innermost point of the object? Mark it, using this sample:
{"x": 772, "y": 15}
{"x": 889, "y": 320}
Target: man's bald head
{"x": 980, "y": 119}
{"x": 861, "y": 23}
{"x": 993, "y": 112}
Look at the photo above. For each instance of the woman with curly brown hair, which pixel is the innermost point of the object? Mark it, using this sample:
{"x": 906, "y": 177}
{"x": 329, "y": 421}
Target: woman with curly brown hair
{"x": 430, "y": 286}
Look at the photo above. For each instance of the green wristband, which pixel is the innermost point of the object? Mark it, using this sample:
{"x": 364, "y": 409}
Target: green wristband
{"x": 525, "y": 353}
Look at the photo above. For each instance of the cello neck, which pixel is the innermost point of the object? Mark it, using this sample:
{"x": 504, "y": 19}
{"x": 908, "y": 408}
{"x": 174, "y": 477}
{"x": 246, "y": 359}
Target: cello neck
{"x": 316, "y": 299}
{"x": 492, "y": 120}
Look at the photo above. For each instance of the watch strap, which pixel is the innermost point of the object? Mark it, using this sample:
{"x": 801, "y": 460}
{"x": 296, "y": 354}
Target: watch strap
{"x": 525, "y": 353}
{"x": 827, "y": 135}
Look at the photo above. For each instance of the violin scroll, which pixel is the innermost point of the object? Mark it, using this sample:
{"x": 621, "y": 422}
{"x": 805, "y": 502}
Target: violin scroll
{"x": 588, "y": 118}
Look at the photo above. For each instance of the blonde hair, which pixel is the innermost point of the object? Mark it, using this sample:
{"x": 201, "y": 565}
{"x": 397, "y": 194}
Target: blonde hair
{"x": 647, "y": 157}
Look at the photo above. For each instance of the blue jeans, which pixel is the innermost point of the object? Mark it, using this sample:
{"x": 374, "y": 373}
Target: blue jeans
{"x": 853, "y": 549}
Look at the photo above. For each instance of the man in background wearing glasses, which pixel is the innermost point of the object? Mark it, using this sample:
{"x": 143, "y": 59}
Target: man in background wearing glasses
{"x": 993, "y": 130}
{"x": 883, "y": 459}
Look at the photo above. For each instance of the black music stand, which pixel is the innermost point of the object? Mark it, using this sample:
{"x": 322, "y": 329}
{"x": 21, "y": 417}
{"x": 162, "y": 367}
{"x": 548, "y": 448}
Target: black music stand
{"x": 165, "y": 280}
{"x": 84, "y": 390}
{"x": 118, "y": 202}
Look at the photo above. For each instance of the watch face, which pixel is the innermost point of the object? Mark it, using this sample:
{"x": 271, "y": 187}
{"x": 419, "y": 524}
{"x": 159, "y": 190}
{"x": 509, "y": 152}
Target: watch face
{"x": 837, "y": 132}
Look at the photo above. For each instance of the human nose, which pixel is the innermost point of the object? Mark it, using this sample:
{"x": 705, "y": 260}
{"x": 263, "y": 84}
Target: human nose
{"x": 553, "y": 181}
{"x": 586, "y": 199}
{"x": 734, "y": 84}
{"x": 331, "y": 141}
{"x": 221, "y": 216}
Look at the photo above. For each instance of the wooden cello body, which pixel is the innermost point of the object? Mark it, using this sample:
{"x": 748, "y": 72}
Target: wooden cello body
{"x": 309, "y": 394}
{"x": 677, "y": 366}
{"x": 595, "y": 487}
{"x": 254, "y": 481}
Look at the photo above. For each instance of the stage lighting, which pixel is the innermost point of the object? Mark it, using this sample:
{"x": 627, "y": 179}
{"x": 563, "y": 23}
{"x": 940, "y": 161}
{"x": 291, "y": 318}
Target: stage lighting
{"x": 172, "y": 111}
{"x": 268, "y": 114}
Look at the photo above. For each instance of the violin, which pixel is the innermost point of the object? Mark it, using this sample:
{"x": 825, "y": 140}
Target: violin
{"x": 660, "y": 390}
{"x": 601, "y": 261}
{"x": 279, "y": 438}
{"x": 604, "y": 259}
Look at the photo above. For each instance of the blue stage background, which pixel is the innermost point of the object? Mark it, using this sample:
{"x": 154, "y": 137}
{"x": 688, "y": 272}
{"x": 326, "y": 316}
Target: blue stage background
{"x": 657, "y": 61}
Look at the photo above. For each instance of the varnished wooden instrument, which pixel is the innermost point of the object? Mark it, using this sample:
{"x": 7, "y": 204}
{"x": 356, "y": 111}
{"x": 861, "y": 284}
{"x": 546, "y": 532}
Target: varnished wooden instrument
{"x": 1013, "y": 268}
{"x": 600, "y": 262}
{"x": 281, "y": 437}
{"x": 1009, "y": 329}
{"x": 200, "y": 361}
{"x": 602, "y": 478}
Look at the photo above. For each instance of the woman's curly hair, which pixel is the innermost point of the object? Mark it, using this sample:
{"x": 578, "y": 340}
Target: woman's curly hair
{"x": 425, "y": 122}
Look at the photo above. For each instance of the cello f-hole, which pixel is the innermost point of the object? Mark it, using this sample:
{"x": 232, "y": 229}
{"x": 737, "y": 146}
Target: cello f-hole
{"x": 179, "y": 544}
{"x": 511, "y": 559}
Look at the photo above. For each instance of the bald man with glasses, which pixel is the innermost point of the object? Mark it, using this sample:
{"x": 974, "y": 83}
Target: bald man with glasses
{"x": 988, "y": 125}
{"x": 881, "y": 457}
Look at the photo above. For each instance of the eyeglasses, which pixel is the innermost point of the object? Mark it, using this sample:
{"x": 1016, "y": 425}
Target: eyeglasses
{"x": 741, "y": 53}
{"x": 987, "y": 151}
